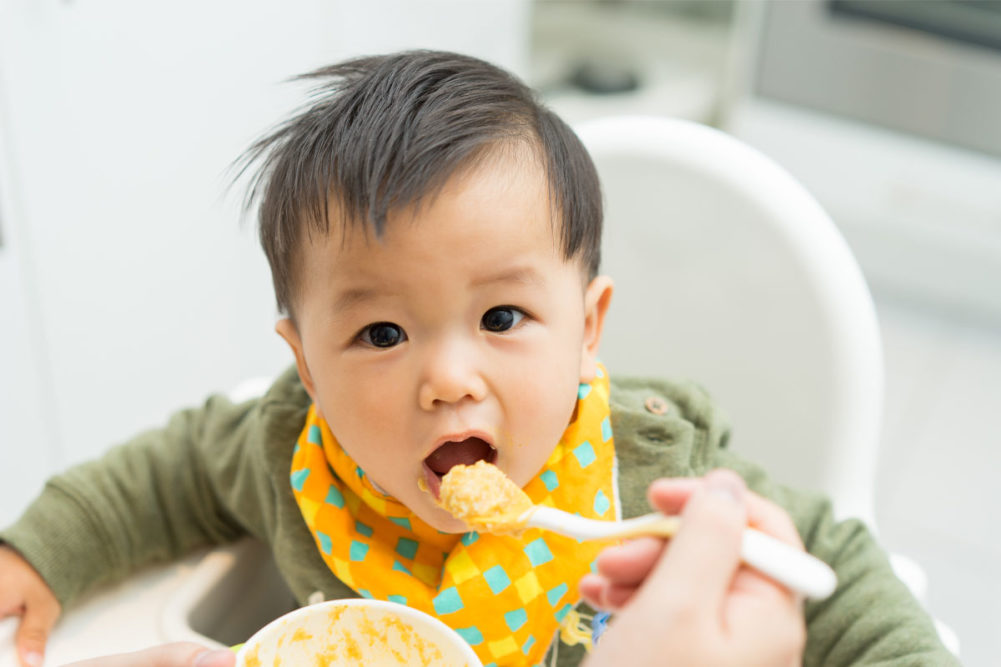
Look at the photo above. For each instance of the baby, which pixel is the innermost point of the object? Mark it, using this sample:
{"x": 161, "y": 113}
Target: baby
{"x": 433, "y": 234}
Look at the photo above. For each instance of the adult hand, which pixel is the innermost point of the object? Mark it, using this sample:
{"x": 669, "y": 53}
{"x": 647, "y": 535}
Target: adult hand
{"x": 24, "y": 593}
{"x": 182, "y": 654}
{"x": 690, "y": 601}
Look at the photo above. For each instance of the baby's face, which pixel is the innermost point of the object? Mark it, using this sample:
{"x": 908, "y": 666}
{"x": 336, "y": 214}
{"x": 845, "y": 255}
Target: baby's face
{"x": 461, "y": 335}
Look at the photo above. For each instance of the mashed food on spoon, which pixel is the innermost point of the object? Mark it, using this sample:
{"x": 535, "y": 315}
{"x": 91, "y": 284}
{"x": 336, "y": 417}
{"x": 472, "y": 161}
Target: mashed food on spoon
{"x": 485, "y": 498}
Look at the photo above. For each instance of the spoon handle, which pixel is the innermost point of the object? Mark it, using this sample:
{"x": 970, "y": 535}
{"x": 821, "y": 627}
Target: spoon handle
{"x": 571, "y": 525}
{"x": 793, "y": 568}
{"x": 655, "y": 524}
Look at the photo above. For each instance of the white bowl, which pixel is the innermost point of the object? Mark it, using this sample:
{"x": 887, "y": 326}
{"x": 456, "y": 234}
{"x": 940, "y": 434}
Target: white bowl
{"x": 356, "y": 632}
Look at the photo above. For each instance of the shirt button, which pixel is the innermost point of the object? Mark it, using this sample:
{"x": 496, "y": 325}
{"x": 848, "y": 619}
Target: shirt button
{"x": 656, "y": 405}
{"x": 315, "y": 597}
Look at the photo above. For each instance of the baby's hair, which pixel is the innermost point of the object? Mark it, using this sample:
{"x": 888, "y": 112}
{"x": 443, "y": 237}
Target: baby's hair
{"x": 383, "y": 132}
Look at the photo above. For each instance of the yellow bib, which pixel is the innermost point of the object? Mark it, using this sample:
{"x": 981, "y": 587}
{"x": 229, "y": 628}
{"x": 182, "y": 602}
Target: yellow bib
{"x": 506, "y": 596}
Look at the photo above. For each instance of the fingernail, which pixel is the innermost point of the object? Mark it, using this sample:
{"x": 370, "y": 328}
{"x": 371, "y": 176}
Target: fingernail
{"x": 32, "y": 658}
{"x": 726, "y": 486}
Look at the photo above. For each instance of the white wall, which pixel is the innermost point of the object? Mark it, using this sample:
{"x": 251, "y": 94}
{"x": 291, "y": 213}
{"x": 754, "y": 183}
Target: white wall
{"x": 127, "y": 287}
{"x": 27, "y": 437}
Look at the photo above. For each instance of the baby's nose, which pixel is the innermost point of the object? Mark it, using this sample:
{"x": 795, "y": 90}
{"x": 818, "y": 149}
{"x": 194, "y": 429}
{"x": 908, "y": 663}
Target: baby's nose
{"x": 451, "y": 376}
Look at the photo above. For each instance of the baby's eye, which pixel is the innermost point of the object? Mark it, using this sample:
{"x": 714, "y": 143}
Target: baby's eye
{"x": 501, "y": 318}
{"x": 382, "y": 334}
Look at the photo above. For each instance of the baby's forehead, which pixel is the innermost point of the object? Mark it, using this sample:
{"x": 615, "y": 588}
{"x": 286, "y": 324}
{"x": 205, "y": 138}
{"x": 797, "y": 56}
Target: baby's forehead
{"x": 515, "y": 246}
{"x": 499, "y": 180}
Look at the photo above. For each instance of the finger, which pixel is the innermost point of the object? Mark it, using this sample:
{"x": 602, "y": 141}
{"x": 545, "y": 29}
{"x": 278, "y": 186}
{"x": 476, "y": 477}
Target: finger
{"x": 592, "y": 589}
{"x": 180, "y": 654}
{"x": 770, "y": 518}
{"x": 703, "y": 557}
{"x": 669, "y": 494}
{"x": 617, "y": 596}
{"x": 40, "y": 615}
{"x": 11, "y": 603}
{"x": 748, "y": 581}
{"x": 755, "y": 597}
{"x": 220, "y": 658}
{"x": 631, "y": 562}
{"x": 11, "y": 598}
{"x": 604, "y": 595}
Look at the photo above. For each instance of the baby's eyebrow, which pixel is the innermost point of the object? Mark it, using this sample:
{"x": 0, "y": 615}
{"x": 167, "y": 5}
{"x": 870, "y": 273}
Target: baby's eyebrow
{"x": 356, "y": 295}
{"x": 526, "y": 275}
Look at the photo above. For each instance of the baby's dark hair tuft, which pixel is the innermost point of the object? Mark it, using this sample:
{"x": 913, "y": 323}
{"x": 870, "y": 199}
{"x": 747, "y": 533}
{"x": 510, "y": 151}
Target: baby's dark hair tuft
{"x": 383, "y": 132}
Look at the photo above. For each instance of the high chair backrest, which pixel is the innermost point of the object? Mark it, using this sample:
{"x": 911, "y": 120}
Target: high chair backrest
{"x": 728, "y": 272}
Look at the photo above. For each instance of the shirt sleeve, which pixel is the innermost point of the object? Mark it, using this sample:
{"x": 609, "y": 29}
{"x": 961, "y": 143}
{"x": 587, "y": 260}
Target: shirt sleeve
{"x": 154, "y": 498}
{"x": 872, "y": 618}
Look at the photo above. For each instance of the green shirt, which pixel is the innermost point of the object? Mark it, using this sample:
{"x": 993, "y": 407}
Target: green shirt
{"x": 221, "y": 471}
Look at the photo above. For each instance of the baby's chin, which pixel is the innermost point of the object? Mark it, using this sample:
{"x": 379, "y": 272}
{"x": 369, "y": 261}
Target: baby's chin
{"x": 424, "y": 506}
{"x": 441, "y": 520}
{"x": 428, "y": 511}
{"x": 451, "y": 526}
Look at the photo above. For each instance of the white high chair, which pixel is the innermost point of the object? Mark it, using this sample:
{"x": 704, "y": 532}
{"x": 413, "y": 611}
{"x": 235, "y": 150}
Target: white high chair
{"x": 728, "y": 272}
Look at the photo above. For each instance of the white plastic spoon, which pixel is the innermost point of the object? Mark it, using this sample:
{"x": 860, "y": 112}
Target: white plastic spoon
{"x": 487, "y": 500}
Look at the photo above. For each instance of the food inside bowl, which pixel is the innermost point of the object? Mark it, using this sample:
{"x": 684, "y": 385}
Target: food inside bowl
{"x": 356, "y": 633}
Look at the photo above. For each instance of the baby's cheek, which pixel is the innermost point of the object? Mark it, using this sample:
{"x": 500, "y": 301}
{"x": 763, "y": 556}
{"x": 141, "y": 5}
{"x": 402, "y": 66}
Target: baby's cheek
{"x": 554, "y": 412}
{"x": 531, "y": 456}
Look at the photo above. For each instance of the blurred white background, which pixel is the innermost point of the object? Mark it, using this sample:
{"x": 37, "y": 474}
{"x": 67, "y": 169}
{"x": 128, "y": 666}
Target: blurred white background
{"x": 128, "y": 287}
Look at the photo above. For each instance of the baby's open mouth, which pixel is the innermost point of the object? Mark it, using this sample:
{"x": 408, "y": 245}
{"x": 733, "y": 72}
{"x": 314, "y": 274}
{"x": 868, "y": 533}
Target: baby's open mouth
{"x": 452, "y": 453}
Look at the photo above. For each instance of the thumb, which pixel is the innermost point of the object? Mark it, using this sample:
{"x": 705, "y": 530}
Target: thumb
{"x": 703, "y": 557}
{"x": 39, "y": 617}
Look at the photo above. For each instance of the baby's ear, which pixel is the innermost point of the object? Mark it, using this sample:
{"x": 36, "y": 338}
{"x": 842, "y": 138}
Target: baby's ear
{"x": 597, "y": 296}
{"x": 287, "y": 330}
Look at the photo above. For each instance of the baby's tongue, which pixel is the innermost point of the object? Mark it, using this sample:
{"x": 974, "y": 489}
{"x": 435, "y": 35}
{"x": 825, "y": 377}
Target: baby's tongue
{"x": 466, "y": 452}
